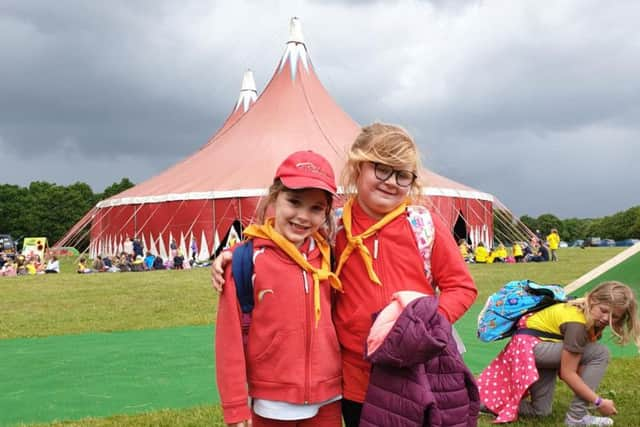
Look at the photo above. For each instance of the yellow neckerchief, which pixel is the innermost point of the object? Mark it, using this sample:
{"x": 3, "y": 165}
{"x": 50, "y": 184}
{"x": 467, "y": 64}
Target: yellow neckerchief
{"x": 266, "y": 231}
{"x": 354, "y": 242}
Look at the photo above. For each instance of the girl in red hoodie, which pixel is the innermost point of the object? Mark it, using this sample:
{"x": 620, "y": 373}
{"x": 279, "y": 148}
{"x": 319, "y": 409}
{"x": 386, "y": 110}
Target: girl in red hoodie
{"x": 378, "y": 252}
{"x": 291, "y": 369}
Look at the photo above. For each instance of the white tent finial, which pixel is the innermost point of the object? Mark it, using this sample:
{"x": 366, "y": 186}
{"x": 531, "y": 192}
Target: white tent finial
{"x": 248, "y": 82}
{"x": 295, "y": 31}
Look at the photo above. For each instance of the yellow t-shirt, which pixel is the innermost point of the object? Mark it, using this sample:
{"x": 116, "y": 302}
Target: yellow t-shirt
{"x": 562, "y": 319}
{"x": 554, "y": 240}
{"x": 31, "y": 268}
{"x": 481, "y": 254}
{"x": 517, "y": 250}
{"x": 464, "y": 251}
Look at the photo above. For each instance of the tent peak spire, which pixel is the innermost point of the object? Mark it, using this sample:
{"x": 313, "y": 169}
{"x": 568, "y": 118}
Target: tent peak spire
{"x": 248, "y": 92}
{"x": 295, "y": 31}
{"x": 296, "y": 49}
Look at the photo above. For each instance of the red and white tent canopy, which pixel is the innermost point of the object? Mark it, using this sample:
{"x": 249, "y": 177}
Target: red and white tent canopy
{"x": 204, "y": 193}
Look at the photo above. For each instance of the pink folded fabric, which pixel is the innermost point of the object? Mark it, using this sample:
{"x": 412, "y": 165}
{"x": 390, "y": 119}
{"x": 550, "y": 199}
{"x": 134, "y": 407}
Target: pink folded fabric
{"x": 388, "y": 316}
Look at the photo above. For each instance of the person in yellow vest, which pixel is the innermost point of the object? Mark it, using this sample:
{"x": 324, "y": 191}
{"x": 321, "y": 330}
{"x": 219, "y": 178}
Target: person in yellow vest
{"x": 517, "y": 251}
{"x": 498, "y": 254}
{"x": 31, "y": 266}
{"x": 467, "y": 256}
{"x": 481, "y": 254}
{"x": 82, "y": 267}
{"x": 553, "y": 239}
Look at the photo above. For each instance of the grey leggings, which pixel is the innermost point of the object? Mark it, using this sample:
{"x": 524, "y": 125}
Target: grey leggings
{"x": 593, "y": 365}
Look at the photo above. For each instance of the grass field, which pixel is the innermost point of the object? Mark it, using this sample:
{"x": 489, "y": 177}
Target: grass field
{"x": 69, "y": 304}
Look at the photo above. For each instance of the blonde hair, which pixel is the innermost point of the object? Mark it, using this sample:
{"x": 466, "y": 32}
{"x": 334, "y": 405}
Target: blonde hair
{"x": 617, "y": 296}
{"x": 327, "y": 229}
{"x": 382, "y": 143}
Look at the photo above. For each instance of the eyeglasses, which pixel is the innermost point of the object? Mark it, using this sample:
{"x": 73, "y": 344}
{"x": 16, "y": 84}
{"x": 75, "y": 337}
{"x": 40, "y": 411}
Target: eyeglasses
{"x": 404, "y": 178}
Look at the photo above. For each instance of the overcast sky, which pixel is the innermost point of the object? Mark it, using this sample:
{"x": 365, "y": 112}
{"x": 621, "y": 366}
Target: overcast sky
{"x": 537, "y": 103}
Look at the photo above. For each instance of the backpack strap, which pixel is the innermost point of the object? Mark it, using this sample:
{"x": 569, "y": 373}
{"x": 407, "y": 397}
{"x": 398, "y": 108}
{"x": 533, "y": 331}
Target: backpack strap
{"x": 424, "y": 231}
{"x": 539, "y": 334}
{"x": 242, "y": 271}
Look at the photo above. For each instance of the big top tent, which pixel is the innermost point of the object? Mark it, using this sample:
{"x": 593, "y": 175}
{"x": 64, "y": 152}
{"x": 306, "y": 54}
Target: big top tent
{"x": 202, "y": 195}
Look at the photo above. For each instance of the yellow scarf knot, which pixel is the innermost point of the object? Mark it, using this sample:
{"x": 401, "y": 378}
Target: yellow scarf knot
{"x": 266, "y": 231}
{"x": 357, "y": 242}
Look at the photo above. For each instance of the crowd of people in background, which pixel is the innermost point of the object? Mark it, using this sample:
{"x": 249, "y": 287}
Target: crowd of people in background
{"x": 132, "y": 258}
{"x": 25, "y": 265}
{"x": 536, "y": 250}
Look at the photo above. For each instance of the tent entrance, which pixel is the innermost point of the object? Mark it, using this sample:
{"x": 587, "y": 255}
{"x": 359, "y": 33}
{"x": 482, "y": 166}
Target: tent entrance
{"x": 460, "y": 229}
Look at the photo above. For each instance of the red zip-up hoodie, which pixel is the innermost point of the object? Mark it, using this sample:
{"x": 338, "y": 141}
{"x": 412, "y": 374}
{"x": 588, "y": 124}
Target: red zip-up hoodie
{"x": 400, "y": 267}
{"x": 288, "y": 358}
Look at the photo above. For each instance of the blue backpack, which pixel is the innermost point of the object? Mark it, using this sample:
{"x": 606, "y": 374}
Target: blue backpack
{"x": 499, "y": 317}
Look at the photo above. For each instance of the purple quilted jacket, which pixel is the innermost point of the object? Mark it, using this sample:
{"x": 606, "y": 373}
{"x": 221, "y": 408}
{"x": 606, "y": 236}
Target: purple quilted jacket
{"x": 418, "y": 377}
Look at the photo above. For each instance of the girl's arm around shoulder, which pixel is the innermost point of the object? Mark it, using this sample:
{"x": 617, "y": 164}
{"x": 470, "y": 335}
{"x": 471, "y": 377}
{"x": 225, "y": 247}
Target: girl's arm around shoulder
{"x": 450, "y": 274}
{"x": 230, "y": 358}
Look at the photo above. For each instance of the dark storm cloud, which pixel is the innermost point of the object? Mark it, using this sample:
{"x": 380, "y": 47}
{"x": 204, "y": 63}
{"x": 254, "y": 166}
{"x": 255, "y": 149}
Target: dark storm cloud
{"x": 539, "y": 106}
{"x": 94, "y": 77}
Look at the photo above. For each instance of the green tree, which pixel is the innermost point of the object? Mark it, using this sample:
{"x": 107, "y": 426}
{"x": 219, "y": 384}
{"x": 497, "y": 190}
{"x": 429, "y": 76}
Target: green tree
{"x": 548, "y": 221}
{"x": 530, "y": 222}
{"x": 116, "y": 188}
{"x": 12, "y": 201}
{"x": 617, "y": 226}
{"x": 573, "y": 228}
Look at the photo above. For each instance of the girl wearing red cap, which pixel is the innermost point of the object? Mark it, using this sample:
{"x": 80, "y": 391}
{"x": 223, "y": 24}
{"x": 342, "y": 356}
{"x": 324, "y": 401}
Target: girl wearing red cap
{"x": 291, "y": 369}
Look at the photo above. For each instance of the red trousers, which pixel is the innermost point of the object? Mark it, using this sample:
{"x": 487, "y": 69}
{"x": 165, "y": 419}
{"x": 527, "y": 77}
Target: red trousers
{"x": 328, "y": 416}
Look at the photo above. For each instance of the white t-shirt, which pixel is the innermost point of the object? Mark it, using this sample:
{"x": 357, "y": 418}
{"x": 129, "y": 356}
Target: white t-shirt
{"x": 285, "y": 411}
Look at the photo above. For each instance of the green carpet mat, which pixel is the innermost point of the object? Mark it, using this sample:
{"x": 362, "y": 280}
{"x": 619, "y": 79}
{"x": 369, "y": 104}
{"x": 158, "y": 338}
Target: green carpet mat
{"x": 76, "y": 376}
{"x": 628, "y": 272}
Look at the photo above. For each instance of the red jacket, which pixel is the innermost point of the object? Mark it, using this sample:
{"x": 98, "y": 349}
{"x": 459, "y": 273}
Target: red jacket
{"x": 289, "y": 359}
{"x": 400, "y": 267}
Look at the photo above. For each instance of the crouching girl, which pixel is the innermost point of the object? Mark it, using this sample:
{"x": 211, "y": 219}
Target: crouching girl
{"x": 531, "y": 364}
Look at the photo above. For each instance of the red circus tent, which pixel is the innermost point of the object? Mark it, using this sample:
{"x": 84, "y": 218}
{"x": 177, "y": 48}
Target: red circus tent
{"x": 203, "y": 194}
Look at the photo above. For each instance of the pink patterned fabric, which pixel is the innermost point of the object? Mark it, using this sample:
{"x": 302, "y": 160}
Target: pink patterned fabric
{"x": 506, "y": 380}
{"x": 424, "y": 230}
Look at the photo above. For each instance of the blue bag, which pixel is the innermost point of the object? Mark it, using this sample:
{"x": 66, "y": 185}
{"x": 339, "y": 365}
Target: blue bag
{"x": 499, "y": 317}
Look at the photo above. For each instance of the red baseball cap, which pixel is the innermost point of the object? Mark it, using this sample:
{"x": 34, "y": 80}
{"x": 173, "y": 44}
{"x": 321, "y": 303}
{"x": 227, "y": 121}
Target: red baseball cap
{"x": 307, "y": 169}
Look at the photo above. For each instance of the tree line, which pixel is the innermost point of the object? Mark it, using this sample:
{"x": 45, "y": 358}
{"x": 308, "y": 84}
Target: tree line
{"x": 49, "y": 210}
{"x": 619, "y": 226}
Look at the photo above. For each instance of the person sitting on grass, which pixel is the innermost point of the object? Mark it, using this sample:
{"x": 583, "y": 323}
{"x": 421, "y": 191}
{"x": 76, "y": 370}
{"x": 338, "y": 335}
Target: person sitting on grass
{"x": 8, "y": 269}
{"x": 53, "y": 266}
{"x": 158, "y": 263}
{"x": 98, "y": 264}
{"x": 480, "y": 254}
{"x": 518, "y": 254}
{"x": 148, "y": 261}
{"x": 178, "y": 260}
{"x": 82, "y": 267}
{"x": 138, "y": 263}
{"x": 465, "y": 251}
{"x": 541, "y": 255}
{"x": 576, "y": 357}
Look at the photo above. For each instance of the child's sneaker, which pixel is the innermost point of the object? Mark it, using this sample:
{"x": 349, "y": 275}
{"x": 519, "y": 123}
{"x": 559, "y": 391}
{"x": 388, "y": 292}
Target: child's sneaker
{"x": 588, "y": 420}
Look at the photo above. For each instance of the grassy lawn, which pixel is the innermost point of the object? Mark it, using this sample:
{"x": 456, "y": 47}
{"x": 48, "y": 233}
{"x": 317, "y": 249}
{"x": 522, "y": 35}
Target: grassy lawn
{"x": 69, "y": 303}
